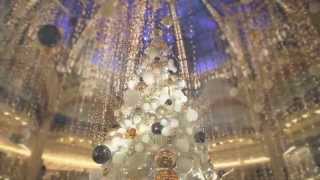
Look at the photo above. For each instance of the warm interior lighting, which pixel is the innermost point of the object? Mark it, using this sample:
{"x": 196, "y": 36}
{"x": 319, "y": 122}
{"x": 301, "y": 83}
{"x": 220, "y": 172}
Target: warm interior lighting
{"x": 15, "y": 150}
{"x": 317, "y": 111}
{"x": 24, "y": 123}
{"x": 288, "y": 125}
{"x": 70, "y": 161}
{"x": 71, "y": 139}
{"x": 226, "y": 164}
{"x": 306, "y": 115}
{"x": 230, "y": 164}
{"x": 295, "y": 120}
{"x": 6, "y": 113}
{"x": 58, "y": 159}
{"x": 292, "y": 148}
{"x": 17, "y": 118}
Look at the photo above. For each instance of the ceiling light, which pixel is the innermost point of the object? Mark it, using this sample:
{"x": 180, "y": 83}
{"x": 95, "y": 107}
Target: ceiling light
{"x": 81, "y": 140}
{"x": 257, "y": 160}
{"x": 6, "y": 113}
{"x": 230, "y": 140}
{"x": 317, "y": 111}
{"x": 17, "y": 118}
{"x": 24, "y": 123}
{"x": 288, "y": 125}
{"x": 71, "y": 139}
{"x": 306, "y": 115}
{"x": 295, "y": 120}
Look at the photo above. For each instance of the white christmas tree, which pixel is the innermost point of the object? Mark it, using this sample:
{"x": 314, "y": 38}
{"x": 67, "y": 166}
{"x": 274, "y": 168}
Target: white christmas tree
{"x": 158, "y": 136}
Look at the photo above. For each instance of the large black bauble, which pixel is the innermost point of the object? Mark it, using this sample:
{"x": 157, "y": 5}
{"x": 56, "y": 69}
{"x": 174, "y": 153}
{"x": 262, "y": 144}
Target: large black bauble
{"x": 101, "y": 154}
{"x": 156, "y": 128}
{"x": 200, "y": 137}
{"x": 168, "y": 102}
{"x": 49, "y": 35}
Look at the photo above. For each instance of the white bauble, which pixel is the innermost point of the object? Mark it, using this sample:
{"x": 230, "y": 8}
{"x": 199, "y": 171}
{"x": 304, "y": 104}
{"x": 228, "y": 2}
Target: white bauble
{"x": 143, "y": 128}
{"x": 148, "y": 78}
{"x": 179, "y": 96}
{"x": 182, "y": 144}
{"x": 182, "y": 84}
{"x": 164, "y": 122}
{"x": 122, "y": 130}
{"x": 166, "y": 131}
{"x": 174, "y": 123}
{"x": 171, "y": 66}
{"x": 139, "y": 147}
{"x": 191, "y": 115}
{"x": 128, "y": 123}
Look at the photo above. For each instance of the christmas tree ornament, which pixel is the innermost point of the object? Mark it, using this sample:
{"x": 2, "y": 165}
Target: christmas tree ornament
{"x": 166, "y": 158}
{"x": 49, "y": 35}
{"x": 131, "y": 133}
{"x": 101, "y": 154}
{"x": 167, "y": 131}
{"x": 200, "y": 137}
{"x": 156, "y": 128}
{"x": 166, "y": 175}
{"x": 169, "y": 102}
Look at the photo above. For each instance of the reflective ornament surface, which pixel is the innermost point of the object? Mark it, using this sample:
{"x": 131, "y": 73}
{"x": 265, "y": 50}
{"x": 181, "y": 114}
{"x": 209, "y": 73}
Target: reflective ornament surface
{"x": 101, "y": 154}
{"x": 166, "y": 175}
{"x": 156, "y": 128}
{"x": 166, "y": 158}
{"x": 200, "y": 137}
{"x": 49, "y": 35}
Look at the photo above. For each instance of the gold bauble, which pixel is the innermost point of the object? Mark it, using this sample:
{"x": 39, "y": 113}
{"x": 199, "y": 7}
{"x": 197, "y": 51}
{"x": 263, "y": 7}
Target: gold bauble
{"x": 167, "y": 174}
{"x": 166, "y": 158}
{"x": 131, "y": 133}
